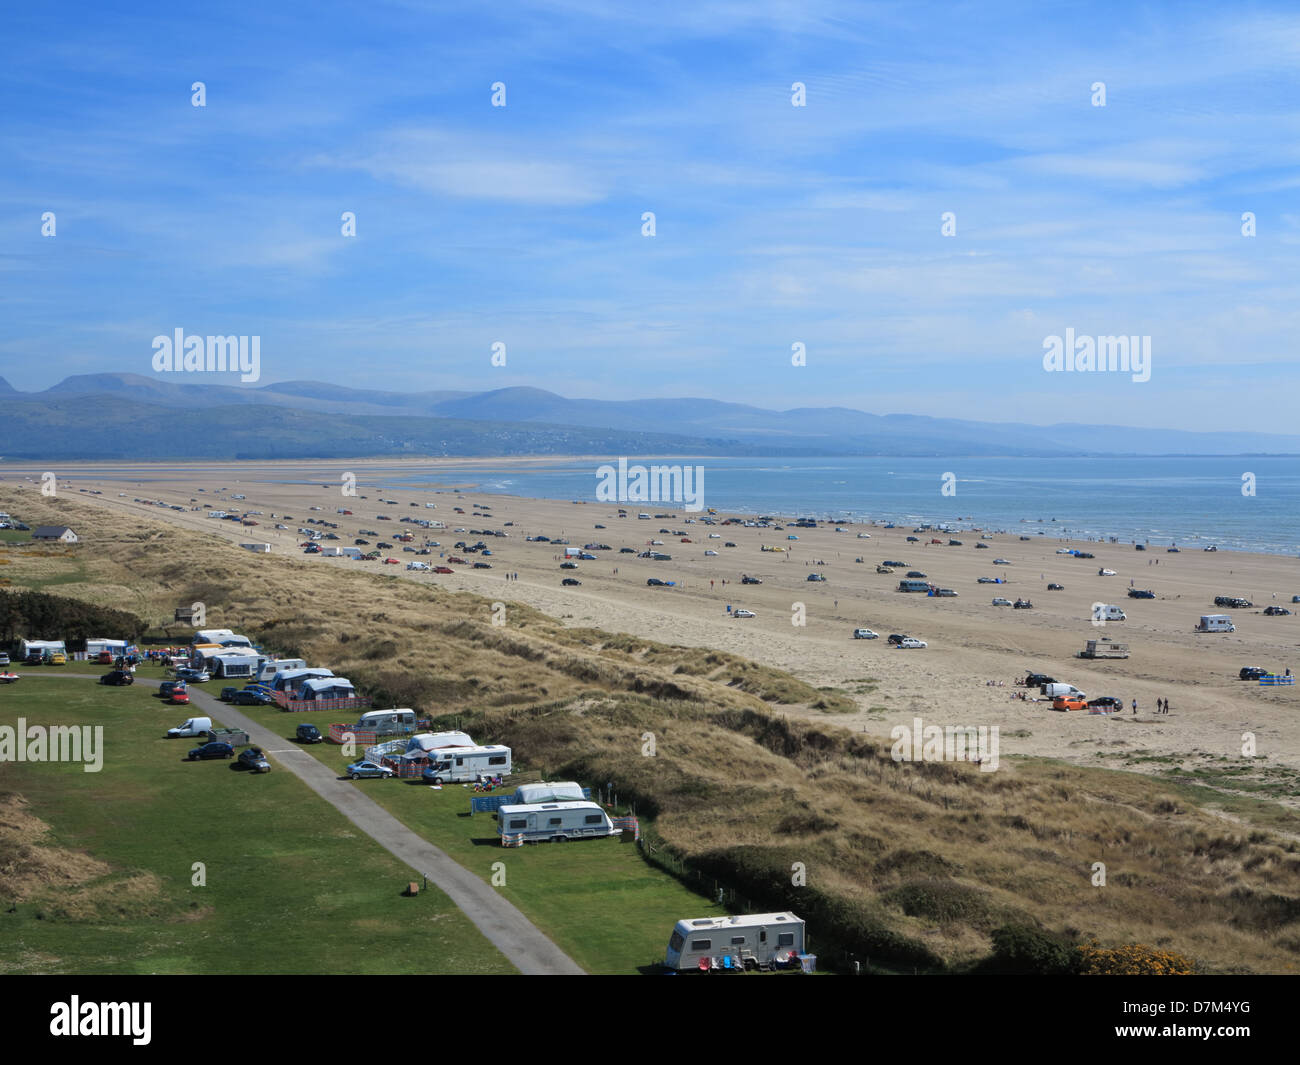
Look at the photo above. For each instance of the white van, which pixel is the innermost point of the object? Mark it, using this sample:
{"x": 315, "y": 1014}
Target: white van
{"x": 194, "y": 726}
{"x": 417, "y": 565}
{"x": 1215, "y": 623}
{"x": 1053, "y": 691}
{"x": 1106, "y": 612}
{"x": 554, "y": 822}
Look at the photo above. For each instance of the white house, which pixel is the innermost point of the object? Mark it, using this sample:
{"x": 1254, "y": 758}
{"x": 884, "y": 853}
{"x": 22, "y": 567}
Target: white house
{"x": 55, "y": 532}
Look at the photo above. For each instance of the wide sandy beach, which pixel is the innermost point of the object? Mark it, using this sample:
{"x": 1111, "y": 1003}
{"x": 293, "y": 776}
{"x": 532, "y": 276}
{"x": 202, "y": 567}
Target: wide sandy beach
{"x": 970, "y": 641}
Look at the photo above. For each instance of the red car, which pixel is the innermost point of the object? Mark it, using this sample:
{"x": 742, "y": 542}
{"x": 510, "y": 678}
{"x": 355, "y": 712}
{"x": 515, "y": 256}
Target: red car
{"x": 456, "y": 561}
{"x": 443, "y": 569}
{"x": 179, "y": 696}
{"x": 391, "y": 562}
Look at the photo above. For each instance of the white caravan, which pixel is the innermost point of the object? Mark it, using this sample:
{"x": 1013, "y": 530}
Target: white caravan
{"x": 540, "y": 822}
{"x": 751, "y": 941}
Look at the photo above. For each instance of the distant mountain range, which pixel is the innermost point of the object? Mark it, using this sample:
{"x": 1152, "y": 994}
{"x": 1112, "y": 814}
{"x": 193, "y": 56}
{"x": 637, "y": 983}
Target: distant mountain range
{"x": 130, "y": 417}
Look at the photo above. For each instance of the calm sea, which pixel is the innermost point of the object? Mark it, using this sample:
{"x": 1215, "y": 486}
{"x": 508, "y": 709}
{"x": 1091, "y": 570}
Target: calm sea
{"x": 1193, "y": 502}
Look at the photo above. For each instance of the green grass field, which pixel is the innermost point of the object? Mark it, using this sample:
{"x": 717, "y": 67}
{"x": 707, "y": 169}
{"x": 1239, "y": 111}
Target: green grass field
{"x": 291, "y": 885}
{"x": 597, "y": 899}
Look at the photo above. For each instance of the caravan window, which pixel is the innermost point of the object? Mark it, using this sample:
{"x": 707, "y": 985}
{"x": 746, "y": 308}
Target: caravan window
{"x": 519, "y": 823}
{"x": 785, "y": 939}
{"x": 737, "y": 941}
{"x": 497, "y": 759}
{"x": 594, "y": 819}
{"x": 701, "y": 944}
{"x": 553, "y": 821}
{"x": 676, "y": 942}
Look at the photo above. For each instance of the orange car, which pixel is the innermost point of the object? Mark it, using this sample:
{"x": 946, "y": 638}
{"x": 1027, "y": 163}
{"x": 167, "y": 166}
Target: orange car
{"x": 1069, "y": 702}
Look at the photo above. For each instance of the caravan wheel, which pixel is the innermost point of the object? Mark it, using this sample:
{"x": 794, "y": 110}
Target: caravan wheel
{"x": 558, "y": 839}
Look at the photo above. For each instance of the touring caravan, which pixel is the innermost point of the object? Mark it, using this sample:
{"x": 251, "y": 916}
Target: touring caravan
{"x": 233, "y": 663}
{"x": 269, "y": 667}
{"x": 555, "y": 822}
{"x": 1215, "y": 623}
{"x": 552, "y": 791}
{"x": 752, "y": 941}
{"x": 458, "y": 765}
{"x": 1104, "y": 649}
{"x": 391, "y": 722}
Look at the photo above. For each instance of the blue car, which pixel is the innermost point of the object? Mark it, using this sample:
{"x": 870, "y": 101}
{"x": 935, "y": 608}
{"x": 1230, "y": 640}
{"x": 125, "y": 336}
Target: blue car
{"x": 368, "y": 769}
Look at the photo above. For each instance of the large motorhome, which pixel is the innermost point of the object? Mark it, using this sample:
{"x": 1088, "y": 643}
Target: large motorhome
{"x": 542, "y": 822}
{"x": 752, "y": 941}
{"x": 1215, "y": 623}
{"x": 460, "y": 765}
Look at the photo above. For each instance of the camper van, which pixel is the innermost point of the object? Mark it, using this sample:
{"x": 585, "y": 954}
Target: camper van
{"x": 392, "y": 722}
{"x": 462, "y": 765}
{"x": 752, "y": 941}
{"x": 1215, "y": 623}
{"x": 1053, "y": 691}
{"x": 554, "y": 822}
{"x": 1106, "y": 612}
{"x": 913, "y": 586}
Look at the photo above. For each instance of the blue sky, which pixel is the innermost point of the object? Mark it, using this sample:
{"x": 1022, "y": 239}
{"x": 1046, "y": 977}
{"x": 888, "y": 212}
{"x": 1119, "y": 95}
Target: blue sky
{"x": 775, "y": 224}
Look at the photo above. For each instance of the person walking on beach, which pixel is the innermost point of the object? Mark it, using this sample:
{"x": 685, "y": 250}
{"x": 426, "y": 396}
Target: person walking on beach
{"x": 1135, "y": 706}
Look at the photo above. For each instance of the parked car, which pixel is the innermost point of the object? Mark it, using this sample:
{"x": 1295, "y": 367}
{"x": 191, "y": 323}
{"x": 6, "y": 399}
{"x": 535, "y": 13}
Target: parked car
{"x": 815, "y": 577}
{"x": 1001, "y": 562}
{"x": 308, "y": 734}
{"x": 627, "y": 550}
{"x": 916, "y": 574}
{"x": 945, "y": 593}
{"x": 4, "y": 659}
{"x": 999, "y": 601}
{"x": 570, "y": 582}
{"x": 250, "y": 697}
{"x": 865, "y": 634}
{"x": 1107, "y": 702}
{"x": 1276, "y": 611}
{"x": 743, "y": 614}
{"x": 1141, "y": 593}
{"x": 168, "y": 686}
{"x": 897, "y": 637}
{"x": 179, "y": 697}
{"x": 1037, "y": 680}
{"x": 118, "y": 678}
{"x": 910, "y": 642}
{"x": 1060, "y": 588}
{"x": 443, "y": 569}
{"x": 216, "y": 749}
{"x": 357, "y": 770}
{"x": 196, "y": 676}
{"x": 253, "y": 759}
{"x": 1069, "y": 702}
{"x": 1252, "y": 673}
{"x": 746, "y": 579}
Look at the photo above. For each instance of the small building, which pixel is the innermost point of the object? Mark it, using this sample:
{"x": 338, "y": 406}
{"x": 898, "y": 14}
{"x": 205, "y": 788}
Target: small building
{"x": 55, "y": 532}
